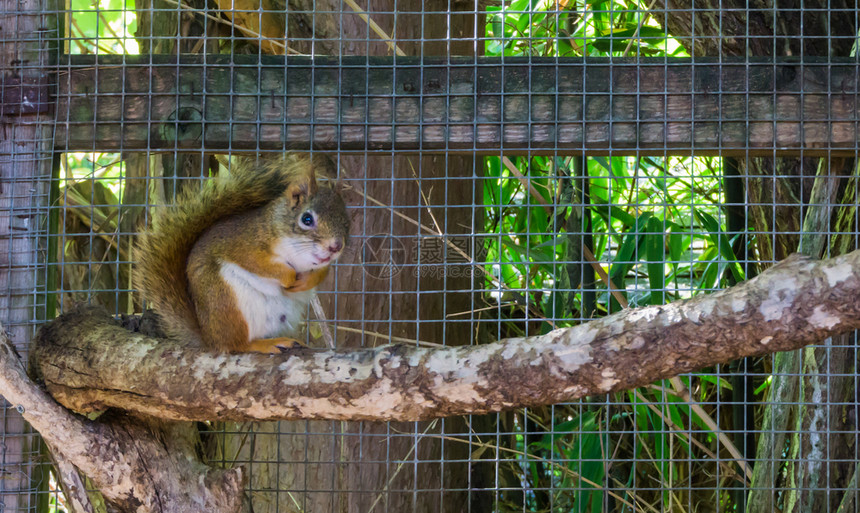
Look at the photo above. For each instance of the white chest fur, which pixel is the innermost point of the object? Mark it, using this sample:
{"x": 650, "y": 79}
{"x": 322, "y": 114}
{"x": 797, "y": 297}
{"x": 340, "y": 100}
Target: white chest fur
{"x": 268, "y": 310}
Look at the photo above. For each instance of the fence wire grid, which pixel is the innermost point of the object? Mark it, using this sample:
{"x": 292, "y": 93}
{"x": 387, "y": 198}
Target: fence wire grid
{"x": 510, "y": 167}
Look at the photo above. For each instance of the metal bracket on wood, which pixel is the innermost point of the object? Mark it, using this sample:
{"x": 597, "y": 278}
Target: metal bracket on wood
{"x": 24, "y": 95}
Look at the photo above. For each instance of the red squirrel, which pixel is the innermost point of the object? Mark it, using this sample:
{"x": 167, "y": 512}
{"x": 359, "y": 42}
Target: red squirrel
{"x": 232, "y": 266}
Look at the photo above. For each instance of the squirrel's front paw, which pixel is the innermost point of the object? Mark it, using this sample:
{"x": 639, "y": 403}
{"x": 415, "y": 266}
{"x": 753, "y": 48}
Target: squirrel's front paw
{"x": 307, "y": 280}
{"x": 273, "y": 345}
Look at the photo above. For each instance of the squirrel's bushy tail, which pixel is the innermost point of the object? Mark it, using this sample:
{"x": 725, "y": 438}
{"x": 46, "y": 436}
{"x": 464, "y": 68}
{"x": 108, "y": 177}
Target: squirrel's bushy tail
{"x": 162, "y": 251}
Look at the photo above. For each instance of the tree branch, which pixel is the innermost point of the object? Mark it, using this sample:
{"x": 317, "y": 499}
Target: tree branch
{"x": 136, "y": 467}
{"x": 89, "y": 363}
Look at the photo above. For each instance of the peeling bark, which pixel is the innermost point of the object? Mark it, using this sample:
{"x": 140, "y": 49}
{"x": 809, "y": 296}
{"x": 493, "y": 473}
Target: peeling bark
{"x": 89, "y": 363}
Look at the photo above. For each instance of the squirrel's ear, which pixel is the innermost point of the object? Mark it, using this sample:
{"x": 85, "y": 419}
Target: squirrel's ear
{"x": 303, "y": 185}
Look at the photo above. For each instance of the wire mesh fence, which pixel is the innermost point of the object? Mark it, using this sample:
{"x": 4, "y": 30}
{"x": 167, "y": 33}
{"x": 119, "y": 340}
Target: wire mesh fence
{"x": 510, "y": 168}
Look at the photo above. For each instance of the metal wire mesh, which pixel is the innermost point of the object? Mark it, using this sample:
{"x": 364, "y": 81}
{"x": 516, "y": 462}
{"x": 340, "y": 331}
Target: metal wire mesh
{"x": 598, "y": 156}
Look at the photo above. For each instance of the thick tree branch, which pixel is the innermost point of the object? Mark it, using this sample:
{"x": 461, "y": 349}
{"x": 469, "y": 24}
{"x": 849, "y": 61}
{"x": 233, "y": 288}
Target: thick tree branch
{"x": 89, "y": 363}
{"x": 136, "y": 467}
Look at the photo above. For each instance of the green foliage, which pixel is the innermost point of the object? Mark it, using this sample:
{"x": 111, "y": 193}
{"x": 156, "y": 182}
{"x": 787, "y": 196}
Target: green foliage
{"x": 104, "y": 27}
{"x": 575, "y": 28}
{"x": 656, "y": 227}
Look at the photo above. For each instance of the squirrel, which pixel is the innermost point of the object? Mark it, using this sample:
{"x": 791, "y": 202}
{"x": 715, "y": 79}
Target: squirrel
{"x": 232, "y": 266}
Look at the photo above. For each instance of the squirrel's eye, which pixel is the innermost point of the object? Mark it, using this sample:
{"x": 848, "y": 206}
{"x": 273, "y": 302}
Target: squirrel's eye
{"x": 307, "y": 220}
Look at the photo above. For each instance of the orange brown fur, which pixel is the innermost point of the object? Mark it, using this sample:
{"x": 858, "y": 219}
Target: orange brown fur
{"x": 237, "y": 220}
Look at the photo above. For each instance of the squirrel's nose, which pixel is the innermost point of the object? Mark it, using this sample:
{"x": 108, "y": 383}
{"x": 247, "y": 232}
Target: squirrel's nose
{"x": 335, "y": 246}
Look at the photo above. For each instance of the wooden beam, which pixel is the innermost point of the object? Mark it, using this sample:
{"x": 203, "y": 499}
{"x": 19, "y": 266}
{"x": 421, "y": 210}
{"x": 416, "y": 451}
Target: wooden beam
{"x": 483, "y": 105}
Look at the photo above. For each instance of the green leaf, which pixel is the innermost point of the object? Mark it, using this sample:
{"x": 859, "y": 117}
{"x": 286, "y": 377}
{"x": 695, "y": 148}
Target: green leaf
{"x": 496, "y": 30}
{"x": 676, "y": 244}
{"x": 764, "y": 386}
{"x": 519, "y": 5}
{"x": 654, "y": 253}
{"x": 721, "y": 241}
{"x": 532, "y": 254}
{"x": 556, "y": 240}
{"x": 522, "y": 24}
{"x": 565, "y": 48}
{"x": 613, "y": 212}
{"x": 624, "y": 257}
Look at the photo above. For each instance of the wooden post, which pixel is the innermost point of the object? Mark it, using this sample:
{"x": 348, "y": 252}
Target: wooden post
{"x": 28, "y": 36}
